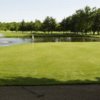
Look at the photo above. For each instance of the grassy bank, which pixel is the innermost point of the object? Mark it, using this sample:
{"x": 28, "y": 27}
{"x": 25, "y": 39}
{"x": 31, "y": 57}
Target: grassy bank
{"x": 50, "y": 63}
{"x": 11, "y": 34}
{"x": 26, "y": 34}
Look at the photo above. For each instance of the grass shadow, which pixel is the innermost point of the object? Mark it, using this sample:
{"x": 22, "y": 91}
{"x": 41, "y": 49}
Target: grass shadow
{"x": 28, "y": 81}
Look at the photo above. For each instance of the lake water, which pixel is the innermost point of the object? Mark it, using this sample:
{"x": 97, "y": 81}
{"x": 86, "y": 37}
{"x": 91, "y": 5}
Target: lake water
{"x": 13, "y": 41}
{"x": 66, "y": 39}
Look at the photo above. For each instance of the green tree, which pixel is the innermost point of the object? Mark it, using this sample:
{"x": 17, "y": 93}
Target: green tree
{"x": 49, "y": 24}
{"x": 63, "y": 25}
{"x": 37, "y": 25}
{"x": 22, "y": 26}
{"x": 14, "y": 26}
{"x": 96, "y": 22}
{"x": 30, "y": 26}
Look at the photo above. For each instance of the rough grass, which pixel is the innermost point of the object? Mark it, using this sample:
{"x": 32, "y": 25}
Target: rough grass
{"x": 50, "y": 63}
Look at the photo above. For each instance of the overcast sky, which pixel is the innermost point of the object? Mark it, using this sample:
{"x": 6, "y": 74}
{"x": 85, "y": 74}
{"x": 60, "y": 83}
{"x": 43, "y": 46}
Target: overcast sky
{"x": 17, "y": 10}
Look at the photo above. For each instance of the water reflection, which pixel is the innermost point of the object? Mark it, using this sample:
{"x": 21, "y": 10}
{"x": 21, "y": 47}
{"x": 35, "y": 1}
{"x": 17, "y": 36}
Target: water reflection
{"x": 12, "y": 41}
{"x": 66, "y": 39}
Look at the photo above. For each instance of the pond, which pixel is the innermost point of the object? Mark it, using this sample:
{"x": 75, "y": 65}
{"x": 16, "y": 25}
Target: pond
{"x": 66, "y": 39}
{"x": 13, "y": 41}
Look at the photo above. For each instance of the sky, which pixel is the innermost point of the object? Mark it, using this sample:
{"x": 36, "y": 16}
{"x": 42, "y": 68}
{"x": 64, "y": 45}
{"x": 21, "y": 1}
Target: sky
{"x": 29, "y": 10}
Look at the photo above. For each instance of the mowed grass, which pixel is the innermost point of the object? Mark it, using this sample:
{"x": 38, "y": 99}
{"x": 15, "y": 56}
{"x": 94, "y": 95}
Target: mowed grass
{"x": 18, "y": 34}
{"x": 50, "y": 63}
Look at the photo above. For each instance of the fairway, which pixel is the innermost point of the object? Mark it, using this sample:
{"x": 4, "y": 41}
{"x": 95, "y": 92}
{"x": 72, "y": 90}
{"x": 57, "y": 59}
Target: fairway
{"x": 50, "y": 63}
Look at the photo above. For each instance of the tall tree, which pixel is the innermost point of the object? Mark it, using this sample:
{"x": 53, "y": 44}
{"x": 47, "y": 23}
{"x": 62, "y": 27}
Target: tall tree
{"x": 63, "y": 25}
{"x": 22, "y": 26}
{"x": 96, "y": 22}
{"x": 37, "y": 25}
{"x": 30, "y": 26}
{"x": 49, "y": 24}
{"x": 14, "y": 26}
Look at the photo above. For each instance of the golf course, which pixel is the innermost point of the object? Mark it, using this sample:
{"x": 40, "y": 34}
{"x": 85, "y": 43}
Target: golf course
{"x": 51, "y": 52}
{"x": 50, "y": 63}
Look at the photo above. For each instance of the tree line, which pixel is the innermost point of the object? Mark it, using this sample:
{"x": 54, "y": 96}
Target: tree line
{"x": 83, "y": 21}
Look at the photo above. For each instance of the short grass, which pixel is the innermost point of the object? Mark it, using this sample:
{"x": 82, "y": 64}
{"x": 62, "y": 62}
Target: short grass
{"x": 12, "y": 34}
{"x": 18, "y": 34}
{"x": 50, "y": 63}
